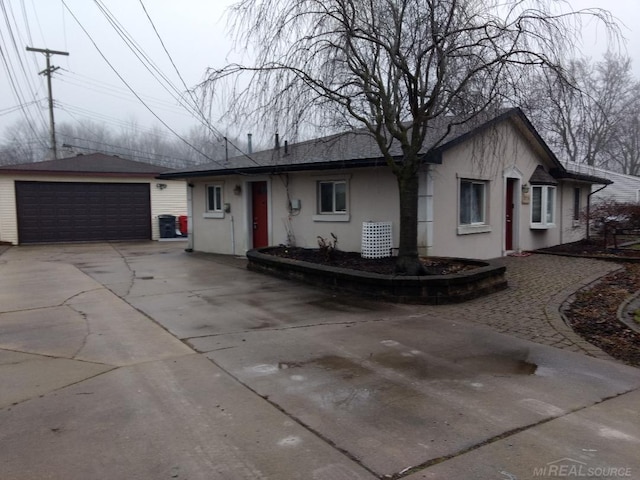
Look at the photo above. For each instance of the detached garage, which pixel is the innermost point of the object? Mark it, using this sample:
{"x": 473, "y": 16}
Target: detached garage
{"x": 85, "y": 198}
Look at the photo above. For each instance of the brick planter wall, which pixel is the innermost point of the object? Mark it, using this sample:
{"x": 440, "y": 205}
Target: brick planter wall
{"x": 488, "y": 277}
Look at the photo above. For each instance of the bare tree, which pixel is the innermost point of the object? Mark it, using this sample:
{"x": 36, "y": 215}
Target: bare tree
{"x": 21, "y": 143}
{"x": 583, "y": 119}
{"x": 394, "y": 67}
{"x": 623, "y": 150}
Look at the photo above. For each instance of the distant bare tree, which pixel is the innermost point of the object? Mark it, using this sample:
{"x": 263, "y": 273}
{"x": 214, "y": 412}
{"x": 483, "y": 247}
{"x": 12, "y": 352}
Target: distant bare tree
{"x": 22, "y": 144}
{"x": 394, "y": 67}
{"x": 584, "y": 120}
{"x": 155, "y": 146}
{"x": 624, "y": 148}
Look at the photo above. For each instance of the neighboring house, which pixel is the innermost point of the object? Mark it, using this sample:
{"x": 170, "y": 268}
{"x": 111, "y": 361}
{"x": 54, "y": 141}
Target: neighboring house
{"x": 489, "y": 190}
{"x": 92, "y": 197}
{"x": 625, "y": 188}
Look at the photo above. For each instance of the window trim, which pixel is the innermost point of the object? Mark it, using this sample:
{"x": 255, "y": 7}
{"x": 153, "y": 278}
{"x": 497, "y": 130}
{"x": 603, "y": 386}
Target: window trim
{"x": 216, "y": 212}
{"x": 333, "y": 215}
{"x": 543, "y": 224}
{"x": 474, "y": 227}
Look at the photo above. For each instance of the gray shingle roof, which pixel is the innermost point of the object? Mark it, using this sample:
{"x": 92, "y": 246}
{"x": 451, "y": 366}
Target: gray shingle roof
{"x": 356, "y": 148}
{"x": 97, "y": 163}
{"x": 541, "y": 177}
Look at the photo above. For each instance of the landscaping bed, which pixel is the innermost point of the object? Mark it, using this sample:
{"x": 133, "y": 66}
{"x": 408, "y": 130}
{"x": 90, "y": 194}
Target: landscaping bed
{"x": 449, "y": 280}
{"x": 593, "y": 311}
{"x": 593, "y": 314}
{"x": 627, "y": 250}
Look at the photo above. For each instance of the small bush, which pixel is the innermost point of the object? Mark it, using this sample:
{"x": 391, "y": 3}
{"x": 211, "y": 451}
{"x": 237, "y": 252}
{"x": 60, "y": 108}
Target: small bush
{"x": 327, "y": 247}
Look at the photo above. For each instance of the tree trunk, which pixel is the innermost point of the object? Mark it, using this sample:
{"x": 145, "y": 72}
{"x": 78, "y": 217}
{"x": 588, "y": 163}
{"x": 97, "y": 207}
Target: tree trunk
{"x": 408, "y": 261}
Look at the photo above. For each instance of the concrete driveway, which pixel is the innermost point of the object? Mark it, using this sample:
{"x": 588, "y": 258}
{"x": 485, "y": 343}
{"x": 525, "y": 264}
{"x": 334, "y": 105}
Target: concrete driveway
{"x": 140, "y": 361}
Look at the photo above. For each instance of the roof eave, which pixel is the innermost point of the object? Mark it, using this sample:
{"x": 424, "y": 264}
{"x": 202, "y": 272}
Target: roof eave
{"x": 60, "y": 173}
{"x": 301, "y": 167}
{"x": 580, "y": 177}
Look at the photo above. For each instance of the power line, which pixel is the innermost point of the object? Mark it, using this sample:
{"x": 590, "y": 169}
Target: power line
{"x": 16, "y": 84}
{"x": 8, "y": 110}
{"x": 194, "y": 100}
{"x": 92, "y": 115}
{"x": 132, "y": 90}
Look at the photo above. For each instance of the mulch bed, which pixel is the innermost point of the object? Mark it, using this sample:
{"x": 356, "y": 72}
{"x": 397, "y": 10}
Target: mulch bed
{"x": 593, "y": 315}
{"x": 595, "y": 248}
{"x": 354, "y": 261}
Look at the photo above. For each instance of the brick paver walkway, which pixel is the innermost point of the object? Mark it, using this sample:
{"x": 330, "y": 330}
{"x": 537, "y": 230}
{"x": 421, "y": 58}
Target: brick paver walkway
{"x": 529, "y": 308}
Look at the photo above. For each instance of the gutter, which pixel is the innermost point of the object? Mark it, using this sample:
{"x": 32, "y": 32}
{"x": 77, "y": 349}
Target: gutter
{"x": 589, "y": 209}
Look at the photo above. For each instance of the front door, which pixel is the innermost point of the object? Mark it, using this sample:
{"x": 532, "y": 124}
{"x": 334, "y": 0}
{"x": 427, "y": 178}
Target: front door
{"x": 509, "y": 210}
{"x": 260, "y": 214}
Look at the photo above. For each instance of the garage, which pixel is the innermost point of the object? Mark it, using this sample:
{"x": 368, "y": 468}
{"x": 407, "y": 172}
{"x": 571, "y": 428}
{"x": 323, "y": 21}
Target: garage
{"x": 86, "y": 198}
{"x": 79, "y": 212}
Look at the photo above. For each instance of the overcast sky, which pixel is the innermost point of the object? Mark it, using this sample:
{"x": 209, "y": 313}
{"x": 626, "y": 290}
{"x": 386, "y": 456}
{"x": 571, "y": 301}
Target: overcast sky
{"x": 87, "y": 88}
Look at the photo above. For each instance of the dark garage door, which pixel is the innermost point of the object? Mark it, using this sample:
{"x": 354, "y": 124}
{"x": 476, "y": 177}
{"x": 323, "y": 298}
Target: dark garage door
{"x": 81, "y": 212}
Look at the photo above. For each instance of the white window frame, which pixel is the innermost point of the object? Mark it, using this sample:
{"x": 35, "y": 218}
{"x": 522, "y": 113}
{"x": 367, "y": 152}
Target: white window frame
{"x": 218, "y": 210}
{"x": 332, "y": 215}
{"x": 481, "y": 226}
{"x": 544, "y": 222}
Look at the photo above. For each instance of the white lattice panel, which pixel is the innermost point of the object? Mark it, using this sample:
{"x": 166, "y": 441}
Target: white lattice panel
{"x": 376, "y": 239}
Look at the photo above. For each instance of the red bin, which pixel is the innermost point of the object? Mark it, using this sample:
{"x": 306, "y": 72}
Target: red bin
{"x": 182, "y": 224}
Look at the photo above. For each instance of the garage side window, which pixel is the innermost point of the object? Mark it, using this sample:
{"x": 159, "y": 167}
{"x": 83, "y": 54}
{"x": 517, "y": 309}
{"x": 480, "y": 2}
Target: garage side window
{"x": 214, "y": 198}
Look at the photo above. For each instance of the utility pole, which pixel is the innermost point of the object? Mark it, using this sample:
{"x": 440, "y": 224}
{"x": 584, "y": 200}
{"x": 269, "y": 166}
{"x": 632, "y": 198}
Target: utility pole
{"x": 47, "y": 72}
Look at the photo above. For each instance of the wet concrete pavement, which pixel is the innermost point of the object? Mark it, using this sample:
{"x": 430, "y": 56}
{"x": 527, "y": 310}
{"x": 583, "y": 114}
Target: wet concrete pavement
{"x": 142, "y": 361}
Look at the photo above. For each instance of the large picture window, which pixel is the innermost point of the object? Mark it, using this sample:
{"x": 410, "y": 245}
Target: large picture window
{"x": 472, "y": 202}
{"x": 332, "y": 197}
{"x": 543, "y": 203}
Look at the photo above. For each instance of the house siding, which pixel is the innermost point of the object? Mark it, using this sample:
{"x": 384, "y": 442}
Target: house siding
{"x": 8, "y": 222}
{"x": 171, "y": 200}
{"x": 625, "y": 188}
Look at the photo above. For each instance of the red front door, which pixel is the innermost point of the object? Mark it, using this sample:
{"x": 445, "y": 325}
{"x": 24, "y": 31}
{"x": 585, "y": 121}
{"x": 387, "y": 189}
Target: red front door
{"x": 260, "y": 214}
{"x": 509, "y": 207}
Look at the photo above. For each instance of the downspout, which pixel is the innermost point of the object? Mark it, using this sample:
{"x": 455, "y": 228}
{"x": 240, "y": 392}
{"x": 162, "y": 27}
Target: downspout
{"x": 189, "y": 217}
{"x": 233, "y": 237}
{"x": 589, "y": 210}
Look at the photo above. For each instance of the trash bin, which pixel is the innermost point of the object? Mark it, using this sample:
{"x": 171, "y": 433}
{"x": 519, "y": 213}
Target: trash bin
{"x": 167, "y": 225}
{"x": 183, "y": 225}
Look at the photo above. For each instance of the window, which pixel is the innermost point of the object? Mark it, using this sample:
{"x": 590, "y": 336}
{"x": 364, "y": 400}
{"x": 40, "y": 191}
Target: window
{"x": 214, "y": 206}
{"x": 332, "y": 197}
{"x": 214, "y": 198}
{"x": 576, "y": 204}
{"x": 472, "y": 202}
{"x": 543, "y": 199}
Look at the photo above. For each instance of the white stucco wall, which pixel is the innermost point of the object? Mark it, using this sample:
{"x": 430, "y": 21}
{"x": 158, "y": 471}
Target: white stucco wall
{"x": 170, "y": 200}
{"x": 573, "y": 230}
{"x": 372, "y": 196}
{"x": 501, "y": 152}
